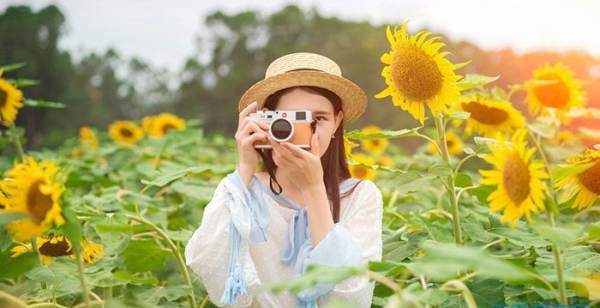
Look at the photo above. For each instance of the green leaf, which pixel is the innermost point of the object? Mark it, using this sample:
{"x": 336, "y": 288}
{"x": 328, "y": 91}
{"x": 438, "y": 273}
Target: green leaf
{"x": 376, "y": 167}
{"x": 440, "y": 169}
{"x": 411, "y": 181}
{"x": 172, "y": 176}
{"x": 21, "y": 82}
{"x": 15, "y": 267}
{"x": 563, "y": 236}
{"x": 468, "y": 150}
{"x": 129, "y": 277}
{"x": 483, "y": 141}
{"x": 359, "y": 134}
{"x": 72, "y": 228}
{"x": 11, "y": 67}
{"x": 562, "y": 172}
{"x": 472, "y": 81}
{"x": 8, "y": 217}
{"x": 144, "y": 255}
{"x": 499, "y": 93}
{"x": 459, "y": 115}
{"x": 121, "y": 228}
{"x": 42, "y": 103}
{"x": 462, "y": 180}
{"x": 444, "y": 261}
{"x": 315, "y": 274}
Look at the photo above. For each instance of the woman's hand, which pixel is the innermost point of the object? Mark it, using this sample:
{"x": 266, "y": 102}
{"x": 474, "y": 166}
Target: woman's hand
{"x": 248, "y": 133}
{"x": 303, "y": 166}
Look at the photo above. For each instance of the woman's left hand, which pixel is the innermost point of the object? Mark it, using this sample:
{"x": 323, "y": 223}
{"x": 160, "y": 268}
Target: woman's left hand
{"x": 303, "y": 166}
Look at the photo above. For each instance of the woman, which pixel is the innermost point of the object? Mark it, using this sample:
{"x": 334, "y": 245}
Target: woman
{"x": 303, "y": 207}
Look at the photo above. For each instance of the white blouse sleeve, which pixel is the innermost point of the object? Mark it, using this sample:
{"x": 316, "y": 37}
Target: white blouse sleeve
{"x": 208, "y": 251}
{"x": 355, "y": 240}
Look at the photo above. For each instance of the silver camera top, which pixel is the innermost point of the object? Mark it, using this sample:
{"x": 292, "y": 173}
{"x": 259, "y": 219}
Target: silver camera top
{"x": 290, "y": 115}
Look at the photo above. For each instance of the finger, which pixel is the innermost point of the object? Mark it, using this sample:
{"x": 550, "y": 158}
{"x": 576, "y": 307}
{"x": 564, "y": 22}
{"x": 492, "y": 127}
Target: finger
{"x": 249, "y": 109}
{"x": 250, "y": 140}
{"x": 280, "y": 149}
{"x": 286, "y": 158}
{"x": 294, "y": 149}
{"x": 279, "y": 161}
{"x": 251, "y": 128}
{"x": 315, "y": 147}
{"x": 242, "y": 124}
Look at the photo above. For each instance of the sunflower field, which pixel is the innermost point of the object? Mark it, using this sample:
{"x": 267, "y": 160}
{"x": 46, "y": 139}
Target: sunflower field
{"x": 498, "y": 207}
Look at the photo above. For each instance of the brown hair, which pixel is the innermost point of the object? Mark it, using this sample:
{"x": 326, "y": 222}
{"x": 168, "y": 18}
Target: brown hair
{"x": 335, "y": 167}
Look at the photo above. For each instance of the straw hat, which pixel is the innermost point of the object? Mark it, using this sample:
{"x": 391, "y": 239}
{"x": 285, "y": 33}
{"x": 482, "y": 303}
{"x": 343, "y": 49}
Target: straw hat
{"x": 307, "y": 69}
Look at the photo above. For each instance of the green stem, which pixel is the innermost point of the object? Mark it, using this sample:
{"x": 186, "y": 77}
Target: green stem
{"x": 384, "y": 281}
{"x": 175, "y": 252}
{"x": 17, "y": 142}
{"x": 11, "y": 300}
{"x": 441, "y": 131}
{"x": 84, "y": 289}
{"x": 36, "y": 249}
{"x": 551, "y": 221}
{"x": 437, "y": 147}
{"x": 204, "y": 301}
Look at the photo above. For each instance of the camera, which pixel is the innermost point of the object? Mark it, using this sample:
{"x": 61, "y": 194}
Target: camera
{"x": 294, "y": 126}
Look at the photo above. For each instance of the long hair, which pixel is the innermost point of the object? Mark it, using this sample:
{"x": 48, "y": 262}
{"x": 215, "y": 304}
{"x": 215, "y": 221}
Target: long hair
{"x": 333, "y": 161}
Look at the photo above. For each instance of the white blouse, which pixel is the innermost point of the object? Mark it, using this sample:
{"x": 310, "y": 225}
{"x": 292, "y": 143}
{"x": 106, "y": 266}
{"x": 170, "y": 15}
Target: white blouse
{"x": 250, "y": 238}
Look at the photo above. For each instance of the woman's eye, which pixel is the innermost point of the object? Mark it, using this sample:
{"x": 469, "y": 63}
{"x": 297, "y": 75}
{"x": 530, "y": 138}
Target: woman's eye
{"x": 319, "y": 118}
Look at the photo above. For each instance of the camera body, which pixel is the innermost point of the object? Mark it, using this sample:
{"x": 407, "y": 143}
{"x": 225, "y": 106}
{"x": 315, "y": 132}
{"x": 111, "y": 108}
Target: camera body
{"x": 294, "y": 126}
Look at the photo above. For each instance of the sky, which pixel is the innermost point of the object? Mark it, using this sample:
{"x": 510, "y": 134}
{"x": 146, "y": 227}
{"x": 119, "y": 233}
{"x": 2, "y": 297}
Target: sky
{"x": 163, "y": 32}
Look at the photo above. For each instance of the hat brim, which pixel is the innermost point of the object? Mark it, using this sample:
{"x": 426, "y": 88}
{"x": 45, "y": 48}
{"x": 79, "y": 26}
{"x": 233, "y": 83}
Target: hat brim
{"x": 354, "y": 99}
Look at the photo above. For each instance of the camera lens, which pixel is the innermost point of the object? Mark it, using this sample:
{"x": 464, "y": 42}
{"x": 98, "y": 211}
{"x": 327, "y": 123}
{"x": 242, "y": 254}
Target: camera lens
{"x": 281, "y": 129}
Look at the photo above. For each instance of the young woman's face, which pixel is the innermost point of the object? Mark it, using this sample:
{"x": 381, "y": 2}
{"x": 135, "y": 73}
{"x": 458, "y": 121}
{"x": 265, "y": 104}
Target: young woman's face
{"x": 322, "y": 111}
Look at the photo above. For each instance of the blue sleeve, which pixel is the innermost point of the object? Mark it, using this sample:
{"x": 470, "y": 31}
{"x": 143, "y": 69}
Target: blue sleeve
{"x": 337, "y": 249}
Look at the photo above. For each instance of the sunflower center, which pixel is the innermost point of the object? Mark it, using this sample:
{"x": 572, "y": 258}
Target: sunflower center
{"x": 516, "y": 178}
{"x": 375, "y": 142}
{"x": 554, "y": 95}
{"x": 484, "y": 114}
{"x": 38, "y": 203}
{"x": 360, "y": 172}
{"x": 125, "y": 132}
{"x": 2, "y": 98}
{"x": 58, "y": 249}
{"x": 167, "y": 127}
{"x": 590, "y": 178}
{"x": 415, "y": 74}
{"x": 449, "y": 143}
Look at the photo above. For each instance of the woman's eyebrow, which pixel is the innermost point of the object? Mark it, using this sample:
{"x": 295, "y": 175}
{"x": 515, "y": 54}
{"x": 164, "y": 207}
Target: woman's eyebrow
{"x": 320, "y": 112}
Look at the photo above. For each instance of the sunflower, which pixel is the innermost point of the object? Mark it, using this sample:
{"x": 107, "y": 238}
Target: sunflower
{"x": 374, "y": 146}
{"x": 384, "y": 161}
{"x": 348, "y": 146}
{"x": 125, "y": 132}
{"x": 31, "y": 189}
{"x": 54, "y": 246}
{"x": 553, "y": 87}
{"x": 588, "y": 286}
{"x": 453, "y": 142}
{"x": 10, "y": 102}
{"x": 489, "y": 116}
{"x": 360, "y": 171}
{"x": 3, "y": 200}
{"x": 417, "y": 73}
{"x": 160, "y": 125}
{"x": 87, "y": 137}
{"x": 520, "y": 181}
{"x": 92, "y": 252}
{"x": 585, "y": 184}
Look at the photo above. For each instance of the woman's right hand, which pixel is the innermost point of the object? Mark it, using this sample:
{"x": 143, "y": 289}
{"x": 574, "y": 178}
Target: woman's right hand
{"x": 248, "y": 133}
